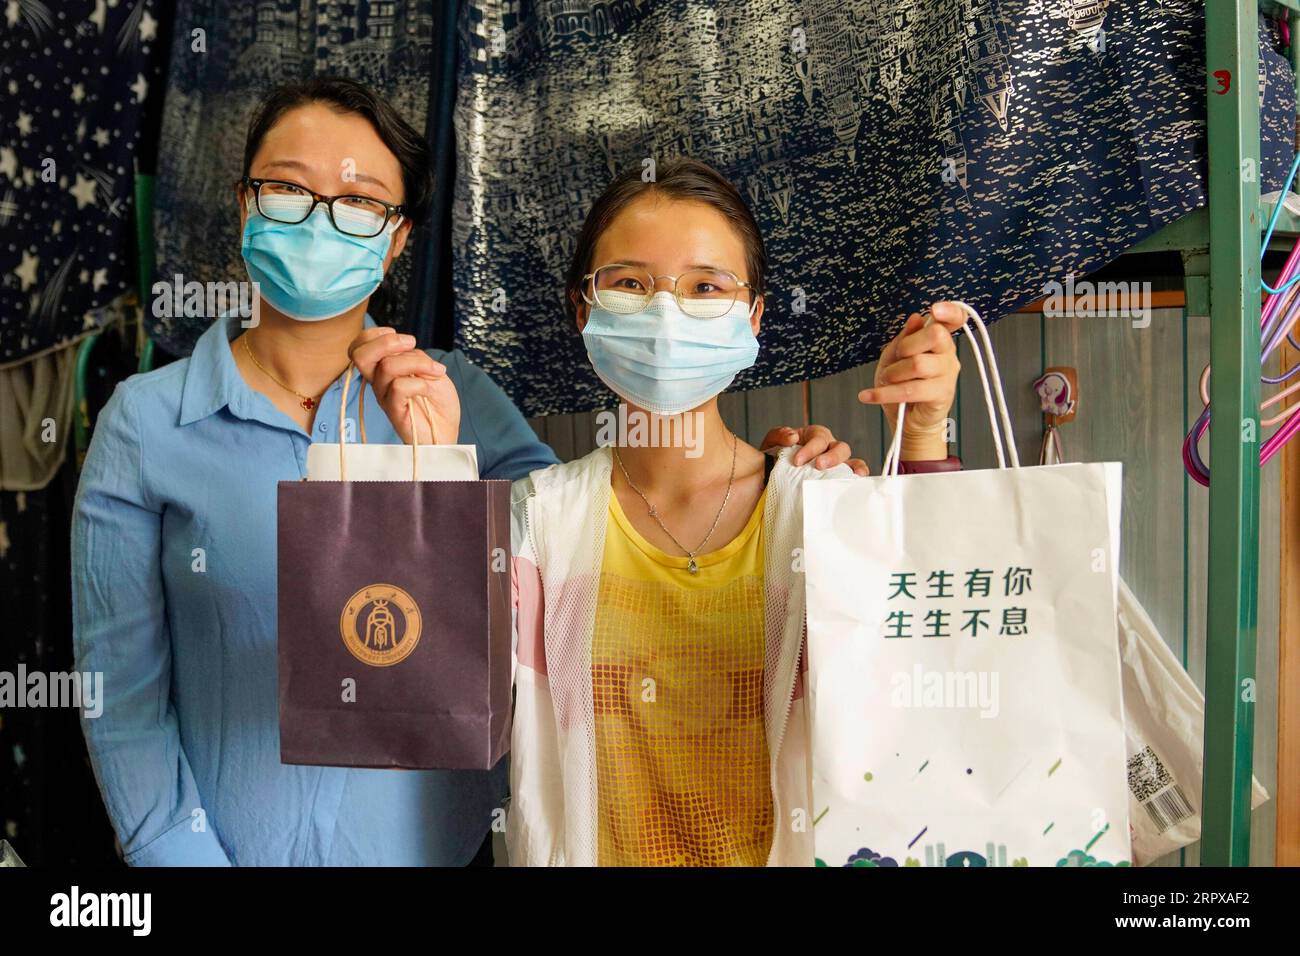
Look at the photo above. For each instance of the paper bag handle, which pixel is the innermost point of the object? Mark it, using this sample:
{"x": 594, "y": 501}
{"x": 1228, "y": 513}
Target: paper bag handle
{"x": 361, "y": 423}
{"x": 974, "y": 324}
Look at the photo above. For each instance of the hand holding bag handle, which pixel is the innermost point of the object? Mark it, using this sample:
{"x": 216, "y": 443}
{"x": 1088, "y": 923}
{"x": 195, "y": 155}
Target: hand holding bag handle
{"x": 974, "y": 324}
{"x": 361, "y": 424}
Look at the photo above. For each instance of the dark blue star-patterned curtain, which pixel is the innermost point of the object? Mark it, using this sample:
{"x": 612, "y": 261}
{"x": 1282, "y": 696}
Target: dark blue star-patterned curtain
{"x": 893, "y": 151}
{"x": 80, "y": 88}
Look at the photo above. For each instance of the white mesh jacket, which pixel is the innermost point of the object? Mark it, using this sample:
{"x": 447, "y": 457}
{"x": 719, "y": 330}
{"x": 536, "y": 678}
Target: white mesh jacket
{"x": 559, "y": 519}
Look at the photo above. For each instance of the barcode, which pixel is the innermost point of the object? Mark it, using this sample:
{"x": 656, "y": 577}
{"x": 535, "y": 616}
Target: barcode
{"x": 1168, "y": 808}
{"x": 1147, "y": 776}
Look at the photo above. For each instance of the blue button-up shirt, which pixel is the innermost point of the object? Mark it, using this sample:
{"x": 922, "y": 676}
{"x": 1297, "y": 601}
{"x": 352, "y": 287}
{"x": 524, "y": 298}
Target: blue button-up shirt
{"x": 174, "y": 585}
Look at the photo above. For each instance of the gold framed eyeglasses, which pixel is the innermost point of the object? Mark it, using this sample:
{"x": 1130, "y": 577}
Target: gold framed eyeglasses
{"x": 700, "y": 293}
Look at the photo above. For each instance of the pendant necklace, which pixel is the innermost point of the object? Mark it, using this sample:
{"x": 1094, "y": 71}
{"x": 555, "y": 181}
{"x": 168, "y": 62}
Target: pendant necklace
{"x": 306, "y": 401}
{"x": 691, "y": 566}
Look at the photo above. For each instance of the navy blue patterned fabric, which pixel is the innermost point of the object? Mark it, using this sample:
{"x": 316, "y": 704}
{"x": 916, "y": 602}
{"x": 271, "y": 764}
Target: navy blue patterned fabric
{"x": 247, "y": 49}
{"x": 79, "y": 86}
{"x": 893, "y": 152}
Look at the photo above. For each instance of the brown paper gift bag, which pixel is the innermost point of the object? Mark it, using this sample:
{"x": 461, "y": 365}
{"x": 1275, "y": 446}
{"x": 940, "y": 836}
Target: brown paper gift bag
{"x": 394, "y": 620}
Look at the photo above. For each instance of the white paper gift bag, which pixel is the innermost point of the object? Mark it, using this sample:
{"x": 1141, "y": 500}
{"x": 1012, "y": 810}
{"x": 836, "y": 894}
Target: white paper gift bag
{"x": 963, "y": 668}
{"x": 360, "y": 461}
{"x": 366, "y": 462}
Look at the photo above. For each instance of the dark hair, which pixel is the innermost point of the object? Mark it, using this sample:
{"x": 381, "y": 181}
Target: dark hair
{"x": 683, "y": 179}
{"x": 349, "y": 96}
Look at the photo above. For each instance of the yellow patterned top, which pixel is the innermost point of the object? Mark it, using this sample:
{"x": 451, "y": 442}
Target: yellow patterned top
{"x": 677, "y": 681}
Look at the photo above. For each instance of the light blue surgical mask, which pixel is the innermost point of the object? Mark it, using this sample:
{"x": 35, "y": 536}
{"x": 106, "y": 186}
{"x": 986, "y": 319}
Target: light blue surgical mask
{"x": 309, "y": 270}
{"x": 662, "y": 359}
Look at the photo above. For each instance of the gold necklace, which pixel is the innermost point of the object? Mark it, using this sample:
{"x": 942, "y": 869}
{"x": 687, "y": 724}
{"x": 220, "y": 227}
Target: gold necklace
{"x": 306, "y": 401}
{"x": 691, "y": 565}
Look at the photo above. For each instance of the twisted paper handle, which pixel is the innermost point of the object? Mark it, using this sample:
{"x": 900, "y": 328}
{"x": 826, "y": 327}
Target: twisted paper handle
{"x": 361, "y": 424}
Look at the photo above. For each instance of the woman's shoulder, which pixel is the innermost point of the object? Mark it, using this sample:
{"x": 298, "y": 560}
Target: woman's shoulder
{"x": 565, "y": 492}
{"x": 160, "y": 382}
{"x": 594, "y": 465}
{"x": 784, "y": 471}
{"x": 459, "y": 367}
{"x": 155, "y": 394}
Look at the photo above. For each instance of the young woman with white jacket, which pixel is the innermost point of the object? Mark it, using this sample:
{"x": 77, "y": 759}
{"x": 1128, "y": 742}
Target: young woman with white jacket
{"x": 659, "y": 715}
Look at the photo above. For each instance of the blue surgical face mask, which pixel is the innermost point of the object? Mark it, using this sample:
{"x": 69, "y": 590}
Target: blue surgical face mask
{"x": 310, "y": 271}
{"x": 662, "y": 359}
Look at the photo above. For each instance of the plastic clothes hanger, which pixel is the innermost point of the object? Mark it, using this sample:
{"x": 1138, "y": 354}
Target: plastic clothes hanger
{"x": 1277, "y": 319}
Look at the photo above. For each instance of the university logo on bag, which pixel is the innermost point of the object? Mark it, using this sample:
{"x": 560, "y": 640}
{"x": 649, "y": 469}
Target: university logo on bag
{"x": 380, "y": 625}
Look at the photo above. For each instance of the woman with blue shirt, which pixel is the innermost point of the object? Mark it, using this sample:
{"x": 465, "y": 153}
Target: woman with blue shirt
{"x": 174, "y": 536}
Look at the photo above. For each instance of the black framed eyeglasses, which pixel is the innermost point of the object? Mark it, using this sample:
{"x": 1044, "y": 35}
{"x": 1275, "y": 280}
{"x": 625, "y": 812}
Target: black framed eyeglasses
{"x": 290, "y": 203}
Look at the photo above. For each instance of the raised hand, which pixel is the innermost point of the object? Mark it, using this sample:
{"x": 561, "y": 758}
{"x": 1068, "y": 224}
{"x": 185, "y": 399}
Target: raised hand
{"x": 920, "y": 367}
{"x": 818, "y": 446}
{"x": 400, "y": 374}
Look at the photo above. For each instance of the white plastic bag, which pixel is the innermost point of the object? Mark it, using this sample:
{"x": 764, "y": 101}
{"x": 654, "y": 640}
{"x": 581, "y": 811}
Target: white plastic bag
{"x": 1164, "y": 720}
